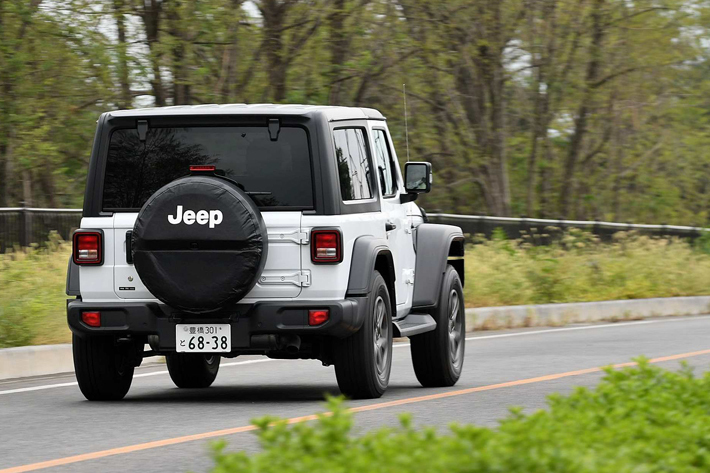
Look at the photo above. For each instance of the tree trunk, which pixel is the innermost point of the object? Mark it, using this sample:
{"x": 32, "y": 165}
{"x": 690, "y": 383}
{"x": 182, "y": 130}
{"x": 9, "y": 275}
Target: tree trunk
{"x": 339, "y": 41}
{"x": 273, "y": 13}
{"x": 581, "y": 120}
{"x": 26, "y": 188}
{"x": 125, "y": 100}
{"x": 541, "y": 105}
{"x": 151, "y": 19}
{"x": 228, "y": 75}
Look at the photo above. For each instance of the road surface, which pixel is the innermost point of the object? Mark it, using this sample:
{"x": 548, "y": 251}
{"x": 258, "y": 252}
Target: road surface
{"x": 46, "y": 423}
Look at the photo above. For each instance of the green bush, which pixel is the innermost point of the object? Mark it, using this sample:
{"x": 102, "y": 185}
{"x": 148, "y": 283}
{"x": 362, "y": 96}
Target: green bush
{"x": 32, "y": 284}
{"x": 641, "y": 419}
{"x": 577, "y": 267}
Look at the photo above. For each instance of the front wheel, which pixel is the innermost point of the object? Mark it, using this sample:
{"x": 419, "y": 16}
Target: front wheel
{"x": 363, "y": 360}
{"x": 192, "y": 370}
{"x": 103, "y": 369}
{"x": 438, "y": 355}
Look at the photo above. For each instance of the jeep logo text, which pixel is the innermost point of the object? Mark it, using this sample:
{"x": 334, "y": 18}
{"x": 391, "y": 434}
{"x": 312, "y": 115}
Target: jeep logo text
{"x": 201, "y": 217}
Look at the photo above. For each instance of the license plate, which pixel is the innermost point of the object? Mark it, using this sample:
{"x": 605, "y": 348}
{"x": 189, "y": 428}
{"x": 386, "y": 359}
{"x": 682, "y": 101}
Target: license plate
{"x": 203, "y": 338}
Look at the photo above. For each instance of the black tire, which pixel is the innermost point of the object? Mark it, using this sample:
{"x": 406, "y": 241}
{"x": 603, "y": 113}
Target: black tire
{"x": 361, "y": 373}
{"x": 192, "y": 370}
{"x": 103, "y": 369}
{"x": 436, "y": 362}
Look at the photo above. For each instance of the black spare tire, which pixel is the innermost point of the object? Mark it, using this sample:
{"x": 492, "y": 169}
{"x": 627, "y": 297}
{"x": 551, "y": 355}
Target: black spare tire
{"x": 199, "y": 244}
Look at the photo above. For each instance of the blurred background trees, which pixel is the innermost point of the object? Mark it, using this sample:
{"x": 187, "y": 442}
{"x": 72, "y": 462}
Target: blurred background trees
{"x": 587, "y": 109}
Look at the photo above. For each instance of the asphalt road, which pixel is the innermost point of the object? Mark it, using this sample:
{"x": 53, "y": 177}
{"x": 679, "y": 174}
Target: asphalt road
{"x": 46, "y": 423}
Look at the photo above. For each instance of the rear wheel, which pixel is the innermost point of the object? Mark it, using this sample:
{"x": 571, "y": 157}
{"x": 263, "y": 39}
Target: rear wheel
{"x": 363, "y": 361}
{"x": 192, "y": 370}
{"x": 104, "y": 370}
{"x": 438, "y": 355}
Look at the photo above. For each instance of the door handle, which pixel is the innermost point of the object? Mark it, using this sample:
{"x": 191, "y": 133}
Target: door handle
{"x": 389, "y": 226}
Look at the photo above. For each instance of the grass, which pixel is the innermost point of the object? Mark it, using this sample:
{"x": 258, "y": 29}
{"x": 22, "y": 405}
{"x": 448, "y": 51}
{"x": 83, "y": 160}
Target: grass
{"x": 32, "y": 298}
{"x": 498, "y": 272}
{"x": 580, "y": 268}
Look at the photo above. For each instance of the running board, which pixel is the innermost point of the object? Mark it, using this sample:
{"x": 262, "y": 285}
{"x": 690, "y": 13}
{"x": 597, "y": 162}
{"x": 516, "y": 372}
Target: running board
{"x": 414, "y": 324}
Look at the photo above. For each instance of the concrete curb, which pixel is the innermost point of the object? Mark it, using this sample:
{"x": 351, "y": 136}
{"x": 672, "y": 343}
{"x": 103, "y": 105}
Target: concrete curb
{"x": 42, "y": 360}
{"x": 553, "y": 315}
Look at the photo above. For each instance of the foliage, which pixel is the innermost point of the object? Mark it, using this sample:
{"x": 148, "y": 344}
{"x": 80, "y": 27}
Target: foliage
{"x": 577, "y": 267}
{"x": 641, "y": 419}
{"x": 592, "y": 109}
{"x": 32, "y": 284}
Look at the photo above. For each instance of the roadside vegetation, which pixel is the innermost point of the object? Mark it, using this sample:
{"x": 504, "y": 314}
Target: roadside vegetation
{"x": 32, "y": 302}
{"x": 641, "y": 419}
{"x": 577, "y": 267}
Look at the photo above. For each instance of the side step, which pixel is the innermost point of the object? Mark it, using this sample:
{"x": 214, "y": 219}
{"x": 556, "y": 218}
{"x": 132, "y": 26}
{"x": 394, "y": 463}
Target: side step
{"x": 414, "y": 324}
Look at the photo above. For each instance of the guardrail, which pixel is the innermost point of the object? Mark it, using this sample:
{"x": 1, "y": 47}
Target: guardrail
{"x": 23, "y": 226}
{"x": 514, "y": 227}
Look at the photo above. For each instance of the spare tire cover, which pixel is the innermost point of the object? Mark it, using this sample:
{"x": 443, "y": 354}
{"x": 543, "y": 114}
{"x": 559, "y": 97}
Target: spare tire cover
{"x": 199, "y": 244}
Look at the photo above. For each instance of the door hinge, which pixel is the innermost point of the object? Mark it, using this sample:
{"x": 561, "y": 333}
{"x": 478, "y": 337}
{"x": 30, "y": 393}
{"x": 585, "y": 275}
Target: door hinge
{"x": 297, "y": 237}
{"x": 408, "y": 276}
{"x": 301, "y": 278}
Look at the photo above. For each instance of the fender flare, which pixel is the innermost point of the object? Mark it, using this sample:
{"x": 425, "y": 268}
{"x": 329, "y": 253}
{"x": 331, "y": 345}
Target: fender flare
{"x": 365, "y": 252}
{"x": 432, "y": 244}
{"x": 73, "y": 288}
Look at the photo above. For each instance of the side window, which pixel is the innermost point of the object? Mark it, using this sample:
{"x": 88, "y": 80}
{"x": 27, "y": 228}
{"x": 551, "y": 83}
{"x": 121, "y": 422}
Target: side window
{"x": 383, "y": 162}
{"x": 353, "y": 164}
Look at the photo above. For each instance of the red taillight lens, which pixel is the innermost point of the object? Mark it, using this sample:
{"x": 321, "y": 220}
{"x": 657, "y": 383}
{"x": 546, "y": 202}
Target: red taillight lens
{"x": 92, "y": 319}
{"x": 326, "y": 246}
{"x": 317, "y": 317}
{"x": 88, "y": 247}
{"x": 202, "y": 168}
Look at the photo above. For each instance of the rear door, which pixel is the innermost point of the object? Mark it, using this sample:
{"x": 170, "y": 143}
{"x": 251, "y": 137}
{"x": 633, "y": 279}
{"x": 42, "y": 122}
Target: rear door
{"x": 282, "y": 276}
{"x": 272, "y": 165}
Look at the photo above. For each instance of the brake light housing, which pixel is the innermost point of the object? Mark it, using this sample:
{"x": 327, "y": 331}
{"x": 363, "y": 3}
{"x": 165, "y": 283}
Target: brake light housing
{"x": 202, "y": 168}
{"x": 326, "y": 246}
{"x": 92, "y": 319}
{"x": 318, "y": 316}
{"x": 88, "y": 247}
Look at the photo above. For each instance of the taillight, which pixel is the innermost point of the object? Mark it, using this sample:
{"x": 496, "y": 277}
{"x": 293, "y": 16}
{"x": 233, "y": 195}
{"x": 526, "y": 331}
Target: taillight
{"x": 88, "y": 247}
{"x": 318, "y": 316}
{"x": 326, "y": 246}
{"x": 201, "y": 168}
{"x": 92, "y": 319}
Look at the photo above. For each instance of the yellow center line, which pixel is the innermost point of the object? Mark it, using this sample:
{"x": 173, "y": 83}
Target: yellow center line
{"x": 294, "y": 420}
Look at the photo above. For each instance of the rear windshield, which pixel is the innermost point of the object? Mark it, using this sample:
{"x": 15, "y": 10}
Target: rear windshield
{"x": 277, "y": 172}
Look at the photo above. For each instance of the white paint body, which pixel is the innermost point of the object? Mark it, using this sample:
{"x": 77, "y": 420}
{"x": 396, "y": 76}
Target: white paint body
{"x": 289, "y": 273}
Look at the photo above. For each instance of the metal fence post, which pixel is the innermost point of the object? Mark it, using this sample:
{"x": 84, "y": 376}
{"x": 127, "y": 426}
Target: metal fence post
{"x": 25, "y": 226}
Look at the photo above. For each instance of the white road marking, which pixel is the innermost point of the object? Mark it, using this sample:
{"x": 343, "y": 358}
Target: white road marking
{"x": 583, "y": 327}
{"x": 400, "y": 345}
{"x": 140, "y": 375}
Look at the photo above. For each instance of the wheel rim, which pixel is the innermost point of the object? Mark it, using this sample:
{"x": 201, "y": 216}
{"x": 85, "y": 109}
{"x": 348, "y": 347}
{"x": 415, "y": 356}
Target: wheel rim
{"x": 381, "y": 337}
{"x": 455, "y": 329}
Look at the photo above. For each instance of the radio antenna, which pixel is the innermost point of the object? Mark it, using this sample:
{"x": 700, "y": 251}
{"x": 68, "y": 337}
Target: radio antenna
{"x": 406, "y": 128}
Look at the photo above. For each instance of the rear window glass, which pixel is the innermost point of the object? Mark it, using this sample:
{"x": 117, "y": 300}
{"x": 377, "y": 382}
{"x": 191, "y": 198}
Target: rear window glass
{"x": 279, "y": 172}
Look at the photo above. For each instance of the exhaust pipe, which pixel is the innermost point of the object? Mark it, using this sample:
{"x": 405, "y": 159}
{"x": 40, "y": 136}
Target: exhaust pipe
{"x": 292, "y": 343}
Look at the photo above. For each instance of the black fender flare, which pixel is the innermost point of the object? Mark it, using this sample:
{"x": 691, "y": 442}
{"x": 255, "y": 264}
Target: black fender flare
{"x": 73, "y": 288}
{"x": 432, "y": 244}
{"x": 365, "y": 252}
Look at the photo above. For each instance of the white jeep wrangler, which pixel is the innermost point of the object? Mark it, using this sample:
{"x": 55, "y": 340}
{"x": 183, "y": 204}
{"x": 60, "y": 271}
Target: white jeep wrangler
{"x": 282, "y": 230}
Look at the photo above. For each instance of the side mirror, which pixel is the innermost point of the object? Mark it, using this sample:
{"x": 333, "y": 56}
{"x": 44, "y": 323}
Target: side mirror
{"x": 417, "y": 177}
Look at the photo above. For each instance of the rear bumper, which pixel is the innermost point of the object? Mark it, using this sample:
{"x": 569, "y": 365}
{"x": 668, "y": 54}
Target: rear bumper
{"x": 264, "y": 318}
